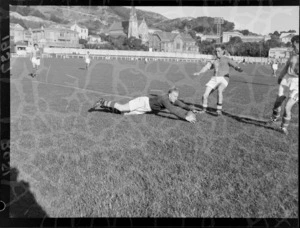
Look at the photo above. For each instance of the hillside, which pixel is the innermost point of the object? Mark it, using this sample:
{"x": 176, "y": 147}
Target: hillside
{"x": 200, "y": 24}
{"x": 98, "y": 18}
{"x": 94, "y": 18}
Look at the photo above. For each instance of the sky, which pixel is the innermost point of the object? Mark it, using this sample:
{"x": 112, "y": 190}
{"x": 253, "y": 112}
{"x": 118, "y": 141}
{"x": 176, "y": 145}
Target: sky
{"x": 258, "y": 19}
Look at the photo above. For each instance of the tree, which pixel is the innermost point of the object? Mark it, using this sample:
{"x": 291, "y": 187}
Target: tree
{"x": 245, "y": 32}
{"x": 192, "y": 34}
{"x": 82, "y": 41}
{"x": 276, "y": 33}
{"x": 235, "y": 40}
{"x": 288, "y": 44}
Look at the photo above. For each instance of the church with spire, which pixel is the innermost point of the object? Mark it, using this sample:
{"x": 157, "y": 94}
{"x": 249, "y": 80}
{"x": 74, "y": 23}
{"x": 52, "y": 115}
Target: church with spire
{"x": 137, "y": 28}
{"x": 133, "y": 28}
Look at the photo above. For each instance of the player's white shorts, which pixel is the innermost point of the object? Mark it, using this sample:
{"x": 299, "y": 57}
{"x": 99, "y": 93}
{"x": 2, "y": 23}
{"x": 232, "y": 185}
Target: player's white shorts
{"x": 139, "y": 105}
{"x": 292, "y": 84}
{"x": 216, "y": 81}
{"x": 87, "y": 61}
{"x": 36, "y": 61}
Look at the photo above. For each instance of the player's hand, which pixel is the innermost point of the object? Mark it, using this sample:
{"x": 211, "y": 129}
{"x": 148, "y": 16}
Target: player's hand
{"x": 191, "y": 117}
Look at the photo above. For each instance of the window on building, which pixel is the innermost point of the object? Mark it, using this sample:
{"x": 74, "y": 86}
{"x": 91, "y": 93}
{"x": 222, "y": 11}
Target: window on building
{"x": 177, "y": 46}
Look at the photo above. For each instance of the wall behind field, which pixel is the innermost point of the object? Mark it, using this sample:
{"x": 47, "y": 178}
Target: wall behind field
{"x": 144, "y": 54}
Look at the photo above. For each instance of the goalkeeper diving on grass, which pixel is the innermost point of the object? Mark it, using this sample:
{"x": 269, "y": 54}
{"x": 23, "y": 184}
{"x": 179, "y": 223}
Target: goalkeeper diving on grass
{"x": 154, "y": 104}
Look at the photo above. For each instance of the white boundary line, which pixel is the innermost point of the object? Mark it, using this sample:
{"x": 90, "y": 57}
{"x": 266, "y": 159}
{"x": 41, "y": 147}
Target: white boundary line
{"x": 106, "y": 94}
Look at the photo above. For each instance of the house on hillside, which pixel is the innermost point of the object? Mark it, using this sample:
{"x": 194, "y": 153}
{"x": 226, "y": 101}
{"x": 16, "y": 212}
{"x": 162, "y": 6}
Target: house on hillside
{"x": 280, "y": 52}
{"x": 56, "y": 36}
{"x": 83, "y": 31}
{"x": 227, "y": 35}
{"x": 28, "y": 37}
{"x": 16, "y": 32}
{"x": 286, "y": 37}
{"x": 94, "y": 39}
{"x": 173, "y": 42}
{"x": 209, "y": 37}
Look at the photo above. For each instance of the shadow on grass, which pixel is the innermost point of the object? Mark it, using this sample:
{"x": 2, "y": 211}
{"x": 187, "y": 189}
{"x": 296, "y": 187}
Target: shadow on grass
{"x": 254, "y": 83}
{"x": 253, "y": 121}
{"x": 163, "y": 113}
{"x": 25, "y": 205}
{"x": 82, "y": 68}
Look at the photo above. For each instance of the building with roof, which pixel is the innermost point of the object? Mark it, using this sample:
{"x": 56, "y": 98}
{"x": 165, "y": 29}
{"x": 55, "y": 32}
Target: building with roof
{"x": 83, "y": 31}
{"x": 94, "y": 39}
{"x": 280, "y": 52}
{"x": 153, "y": 30}
{"x": 116, "y": 29}
{"x": 172, "y": 42}
{"x": 227, "y": 35}
{"x": 286, "y": 37}
{"x": 16, "y": 32}
{"x": 56, "y": 36}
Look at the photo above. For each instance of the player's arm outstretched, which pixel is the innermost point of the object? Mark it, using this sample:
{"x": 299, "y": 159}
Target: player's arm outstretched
{"x": 235, "y": 65}
{"x": 188, "y": 116}
{"x": 204, "y": 69}
{"x": 186, "y": 107}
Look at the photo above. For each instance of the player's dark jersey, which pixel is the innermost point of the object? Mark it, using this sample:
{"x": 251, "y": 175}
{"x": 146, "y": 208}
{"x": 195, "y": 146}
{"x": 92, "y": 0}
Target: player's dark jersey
{"x": 221, "y": 66}
{"x": 162, "y": 102}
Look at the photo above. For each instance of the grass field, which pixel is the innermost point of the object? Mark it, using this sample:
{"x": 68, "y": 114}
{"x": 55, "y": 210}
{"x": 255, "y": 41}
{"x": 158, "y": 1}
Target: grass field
{"x": 69, "y": 162}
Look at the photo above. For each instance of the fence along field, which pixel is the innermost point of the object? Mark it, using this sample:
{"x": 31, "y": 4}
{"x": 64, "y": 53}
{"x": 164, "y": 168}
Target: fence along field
{"x": 93, "y": 164}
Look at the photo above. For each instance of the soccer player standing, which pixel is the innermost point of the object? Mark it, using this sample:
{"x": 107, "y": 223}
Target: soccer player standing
{"x": 220, "y": 79}
{"x": 274, "y": 67}
{"x": 288, "y": 80}
{"x": 87, "y": 60}
{"x": 36, "y": 55}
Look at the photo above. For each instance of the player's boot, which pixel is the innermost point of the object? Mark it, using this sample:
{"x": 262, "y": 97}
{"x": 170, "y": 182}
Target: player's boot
{"x": 273, "y": 119}
{"x": 219, "y": 113}
{"x": 284, "y": 130}
{"x": 99, "y": 103}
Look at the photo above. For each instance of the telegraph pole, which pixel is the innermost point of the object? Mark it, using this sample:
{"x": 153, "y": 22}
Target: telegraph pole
{"x": 219, "y": 21}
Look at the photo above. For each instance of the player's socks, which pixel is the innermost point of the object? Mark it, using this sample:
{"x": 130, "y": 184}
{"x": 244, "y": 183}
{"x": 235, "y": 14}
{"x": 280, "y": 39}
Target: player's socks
{"x": 285, "y": 123}
{"x": 275, "y": 115}
{"x": 219, "y": 109}
{"x": 278, "y": 102}
{"x": 109, "y": 104}
{"x": 204, "y": 109}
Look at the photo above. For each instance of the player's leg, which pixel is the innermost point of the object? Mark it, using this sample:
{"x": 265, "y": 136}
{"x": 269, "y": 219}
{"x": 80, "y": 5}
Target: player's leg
{"x": 278, "y": 103}
{"x": 205, "y": 98}
{"x": 274, "y": 72}
{"x": 38, "y": 63}
{"x": 293, "y": 98}
{"x": 101, "y": 103}
{"x": 288, "y": 113}
{"x": 221, "y": 88}
{"x": 33, "y": 66}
